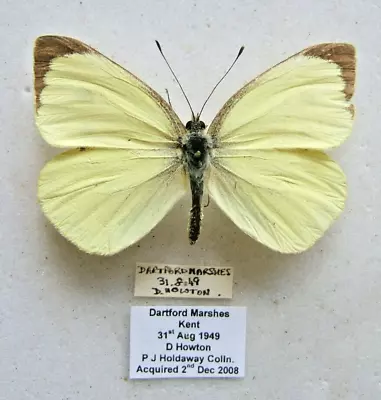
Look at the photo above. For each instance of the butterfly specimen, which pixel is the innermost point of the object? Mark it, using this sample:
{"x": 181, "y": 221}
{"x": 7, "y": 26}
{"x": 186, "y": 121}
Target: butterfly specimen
{"x": 130, "y": 158}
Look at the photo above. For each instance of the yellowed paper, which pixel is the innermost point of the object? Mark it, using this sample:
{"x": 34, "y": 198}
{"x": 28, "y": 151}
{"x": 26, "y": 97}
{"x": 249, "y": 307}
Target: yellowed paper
{"x": 167, "y": 280}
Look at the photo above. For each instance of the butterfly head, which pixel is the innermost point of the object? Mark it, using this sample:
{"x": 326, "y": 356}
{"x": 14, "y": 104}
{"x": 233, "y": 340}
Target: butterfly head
{"x": 195, "y": 125}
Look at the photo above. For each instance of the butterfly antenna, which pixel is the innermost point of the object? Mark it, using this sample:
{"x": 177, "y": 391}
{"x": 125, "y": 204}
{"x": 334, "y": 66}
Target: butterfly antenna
{"x": 174, "y": 75}
{"x": 223, "y": 77}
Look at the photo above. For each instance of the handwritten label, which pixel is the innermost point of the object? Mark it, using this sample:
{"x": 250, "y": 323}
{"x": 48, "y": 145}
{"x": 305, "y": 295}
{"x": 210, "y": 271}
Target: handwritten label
{"x": 187, "y": 342}
{"x": 163, "y": 280}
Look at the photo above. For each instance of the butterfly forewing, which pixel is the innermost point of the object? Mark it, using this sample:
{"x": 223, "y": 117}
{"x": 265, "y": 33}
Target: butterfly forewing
{"x": 303, "y": 102}
{"x": 83, "y": 99}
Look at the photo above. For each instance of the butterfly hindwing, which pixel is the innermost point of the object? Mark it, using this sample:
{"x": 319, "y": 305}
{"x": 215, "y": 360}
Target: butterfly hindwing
{"x": 268, "y": 172}
{"x": 284, "y": 199}
{"x": 104, "y": 200}
{"x": 127, "y": 173}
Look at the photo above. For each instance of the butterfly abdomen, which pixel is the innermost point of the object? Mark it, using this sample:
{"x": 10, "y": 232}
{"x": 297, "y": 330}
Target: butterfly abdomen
{"x": 195, "y": 219}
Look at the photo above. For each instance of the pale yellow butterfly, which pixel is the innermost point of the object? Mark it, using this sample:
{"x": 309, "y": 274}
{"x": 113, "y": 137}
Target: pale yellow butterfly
{"x": 132, "y": 159}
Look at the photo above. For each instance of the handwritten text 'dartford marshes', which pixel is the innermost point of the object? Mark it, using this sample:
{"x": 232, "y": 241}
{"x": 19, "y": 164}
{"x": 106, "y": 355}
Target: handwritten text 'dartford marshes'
{"x": 161, "y": 280}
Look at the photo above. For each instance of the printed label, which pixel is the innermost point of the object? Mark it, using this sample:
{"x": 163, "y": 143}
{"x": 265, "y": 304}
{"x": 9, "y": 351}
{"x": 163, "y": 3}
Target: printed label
{"x": 187, "y": 342}
{"x": 163, "y": 280}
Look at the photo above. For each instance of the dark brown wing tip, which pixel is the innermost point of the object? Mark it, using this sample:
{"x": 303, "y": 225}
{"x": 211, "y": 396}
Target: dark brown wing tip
{"x": 48, "y": 47}
{"x": 344, "y": 55}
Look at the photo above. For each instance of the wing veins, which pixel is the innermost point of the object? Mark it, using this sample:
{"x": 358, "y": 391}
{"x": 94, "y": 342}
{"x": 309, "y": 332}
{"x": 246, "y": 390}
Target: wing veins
{"x": 113, "y": 104}
{"x": 108, "y": 180}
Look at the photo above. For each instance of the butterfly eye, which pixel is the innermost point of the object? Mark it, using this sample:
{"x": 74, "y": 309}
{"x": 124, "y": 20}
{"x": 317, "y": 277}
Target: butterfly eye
{"x": 188, "y": 125}
{"x": 202, "y": 125}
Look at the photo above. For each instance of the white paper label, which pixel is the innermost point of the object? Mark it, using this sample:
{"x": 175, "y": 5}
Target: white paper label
{"x": 187, "y": 342}
{"x": 164, "y": 280}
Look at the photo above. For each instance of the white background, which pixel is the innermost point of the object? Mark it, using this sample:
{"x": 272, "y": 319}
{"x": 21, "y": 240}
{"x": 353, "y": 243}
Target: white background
{"x": 314, "y": 320}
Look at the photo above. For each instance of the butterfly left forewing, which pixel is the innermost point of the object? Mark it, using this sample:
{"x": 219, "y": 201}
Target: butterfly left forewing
{"x": 268, "y": 172}
{"x": 83, "y": 99}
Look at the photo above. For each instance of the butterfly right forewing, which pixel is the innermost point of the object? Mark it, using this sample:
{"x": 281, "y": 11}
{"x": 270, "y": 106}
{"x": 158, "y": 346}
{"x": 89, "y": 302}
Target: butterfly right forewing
{"x": 303, "y": 102}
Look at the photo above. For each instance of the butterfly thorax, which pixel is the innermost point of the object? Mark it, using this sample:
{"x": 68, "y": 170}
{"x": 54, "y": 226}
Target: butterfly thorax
{"x": 196, "y": 146}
